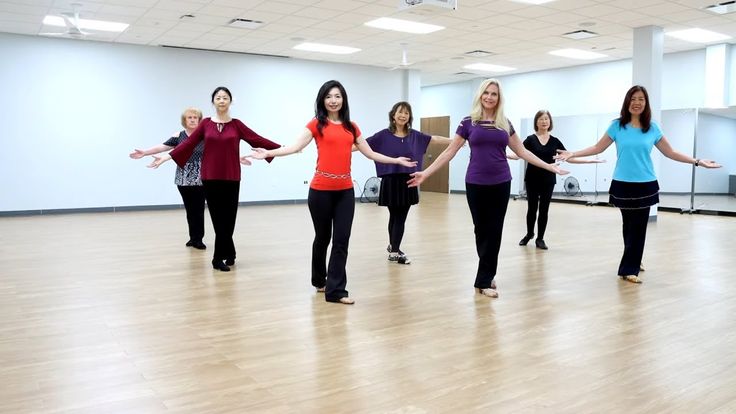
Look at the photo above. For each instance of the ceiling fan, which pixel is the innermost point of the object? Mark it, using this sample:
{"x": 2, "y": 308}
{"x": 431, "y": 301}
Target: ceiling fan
{"x": 404, "y": 59}
{"x": 71, "y": 21}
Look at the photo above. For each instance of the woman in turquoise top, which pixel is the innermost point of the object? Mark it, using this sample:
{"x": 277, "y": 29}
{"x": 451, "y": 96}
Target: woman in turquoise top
{"x": 634, "y": 187}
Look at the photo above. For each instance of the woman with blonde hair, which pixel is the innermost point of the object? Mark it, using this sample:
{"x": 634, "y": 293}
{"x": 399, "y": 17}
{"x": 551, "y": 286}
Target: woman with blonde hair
{"x": 488, "y": 178}
{"x": 187, "y": 177}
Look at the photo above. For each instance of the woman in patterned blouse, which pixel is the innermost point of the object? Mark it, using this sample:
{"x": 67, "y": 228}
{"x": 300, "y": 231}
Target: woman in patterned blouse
{"x": 187, "y": 178}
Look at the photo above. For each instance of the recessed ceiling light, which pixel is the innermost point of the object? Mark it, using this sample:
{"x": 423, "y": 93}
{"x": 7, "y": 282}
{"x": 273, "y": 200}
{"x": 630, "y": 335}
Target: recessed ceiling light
{"x": 577, "y": 54}
{"x": 245, "y": 23}
{"x": 99, "y": 25}
{"x": 580, "y": 34}
{"x": 323, "y": 48}
{"x": 722, "y": 8}
{"x": 399, "y": 25}
{"x": 487, "y": 67}
{"x": 698, "y": 35}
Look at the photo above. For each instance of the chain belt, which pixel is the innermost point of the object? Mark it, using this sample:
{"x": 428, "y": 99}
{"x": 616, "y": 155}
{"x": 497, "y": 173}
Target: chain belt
{"x": 333, "y": 176}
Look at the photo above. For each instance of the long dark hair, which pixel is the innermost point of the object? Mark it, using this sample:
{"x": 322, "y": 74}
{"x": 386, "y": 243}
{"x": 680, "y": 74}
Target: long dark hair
{"x": 320, "y": 111}
{"x": 646, "y": 116}
{"x": 221, "y": 88}
{"x": 394, "y": 110}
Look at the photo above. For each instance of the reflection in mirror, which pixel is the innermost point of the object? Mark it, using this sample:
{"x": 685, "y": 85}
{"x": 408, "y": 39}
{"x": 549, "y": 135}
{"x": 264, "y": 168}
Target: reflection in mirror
{"x": 715, "y": 189}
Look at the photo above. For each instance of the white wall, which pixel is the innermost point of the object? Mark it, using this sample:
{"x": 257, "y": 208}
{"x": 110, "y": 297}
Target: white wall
{"x": 596, "y": 89}
{"x": 73, "y": 110}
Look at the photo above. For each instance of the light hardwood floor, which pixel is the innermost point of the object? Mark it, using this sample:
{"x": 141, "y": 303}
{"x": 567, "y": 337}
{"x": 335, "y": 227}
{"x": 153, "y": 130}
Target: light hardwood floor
{"x": 110, "y": 313}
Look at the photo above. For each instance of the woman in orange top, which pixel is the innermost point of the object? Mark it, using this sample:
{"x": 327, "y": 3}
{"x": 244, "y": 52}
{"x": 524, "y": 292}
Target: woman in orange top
{"x": 331, "y": 198}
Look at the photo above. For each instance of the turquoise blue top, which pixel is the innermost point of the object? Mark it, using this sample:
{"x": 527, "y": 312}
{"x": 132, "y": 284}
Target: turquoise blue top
{"x": 634, "y": 148}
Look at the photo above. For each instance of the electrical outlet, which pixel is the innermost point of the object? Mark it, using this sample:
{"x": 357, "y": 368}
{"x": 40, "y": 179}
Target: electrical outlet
{"x": 305, "y": 182}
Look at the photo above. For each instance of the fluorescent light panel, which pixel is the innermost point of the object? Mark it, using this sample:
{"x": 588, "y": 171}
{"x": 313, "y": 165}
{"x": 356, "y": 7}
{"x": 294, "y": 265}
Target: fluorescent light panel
{"x": 99, "y": 25}
{"x": 698, "y": 35}
{"x": 406, "y": 26}
{"x": 577, "y": 54}
{"x": 323, "y": 48}
{"x": 487, "y": 67}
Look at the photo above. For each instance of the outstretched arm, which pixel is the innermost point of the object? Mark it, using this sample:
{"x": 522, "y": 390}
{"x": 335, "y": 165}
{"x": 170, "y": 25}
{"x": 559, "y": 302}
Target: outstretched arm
{"x": 599, "y": 147}
{"x": 302, "y": 141}
{"x": 139, "y": 153}
{"x": 585, "y": 161}
{"x": 158, "y": 160}
{"x": 666, "y": 149}
{"x": 445, "y": 157}
{"x": 518, "y": 148}
{"x": 366, "y": 150}
{"x": 437, "y": 139}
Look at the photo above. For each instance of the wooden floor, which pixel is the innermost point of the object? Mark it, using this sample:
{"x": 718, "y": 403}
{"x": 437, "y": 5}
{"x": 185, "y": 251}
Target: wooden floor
{"x": 110, "y": 313}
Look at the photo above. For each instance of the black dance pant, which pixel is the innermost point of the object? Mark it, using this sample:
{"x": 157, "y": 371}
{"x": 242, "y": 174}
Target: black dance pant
{"x": 538, "y": 195}
{"x": 193, "y": 198}
{"x": 396, "y": 225}
{"x": 488, "y": 205}
{"x": 222, "y": 201}
{"x": 332, "y": 216}
{"x": 635, "y": 233}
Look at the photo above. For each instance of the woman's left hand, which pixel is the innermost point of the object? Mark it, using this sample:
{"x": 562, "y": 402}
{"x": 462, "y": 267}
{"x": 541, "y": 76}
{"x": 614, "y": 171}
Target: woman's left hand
{"x": 158, "y": 160}
{"x": 406, "y": 162}
{"x": 557, "y": 170}
{"x": 709, "y": 164}
{"x": 245, "y": 161}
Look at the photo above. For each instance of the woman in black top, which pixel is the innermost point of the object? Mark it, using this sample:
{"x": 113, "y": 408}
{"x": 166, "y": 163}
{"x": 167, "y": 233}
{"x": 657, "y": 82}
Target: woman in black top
{"x": 539, "y": 182}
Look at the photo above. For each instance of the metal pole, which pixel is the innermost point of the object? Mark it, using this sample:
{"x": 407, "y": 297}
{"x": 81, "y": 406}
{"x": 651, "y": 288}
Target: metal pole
{"x": 695, "y": 155}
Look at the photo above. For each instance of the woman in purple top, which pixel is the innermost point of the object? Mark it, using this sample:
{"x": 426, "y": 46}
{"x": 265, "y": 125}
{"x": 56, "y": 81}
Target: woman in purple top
{"x": 399, "y": 140}
{"x": 488, "y": 178}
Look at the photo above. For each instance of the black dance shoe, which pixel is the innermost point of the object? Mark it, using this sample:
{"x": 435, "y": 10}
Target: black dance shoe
{"x": 219, "y": 265}
{"x": 541, "y": 244}
{"x": 525, "y": 240}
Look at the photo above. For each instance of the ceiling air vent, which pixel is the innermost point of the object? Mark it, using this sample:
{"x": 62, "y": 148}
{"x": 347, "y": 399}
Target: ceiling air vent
{"x": 245, "y": 23}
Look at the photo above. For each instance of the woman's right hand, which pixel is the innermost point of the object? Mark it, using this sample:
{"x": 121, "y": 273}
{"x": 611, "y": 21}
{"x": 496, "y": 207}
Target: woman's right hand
{"x": 563, "y": 155}
{"x": 417, "y": 178}
{"x": 137, "y": 154}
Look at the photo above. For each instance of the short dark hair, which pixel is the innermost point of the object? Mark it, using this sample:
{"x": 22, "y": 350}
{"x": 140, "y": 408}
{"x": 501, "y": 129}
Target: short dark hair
{"x": 539, "y": 115}
{"x": 221, "y": 88}
{"x": 394, "y": 110}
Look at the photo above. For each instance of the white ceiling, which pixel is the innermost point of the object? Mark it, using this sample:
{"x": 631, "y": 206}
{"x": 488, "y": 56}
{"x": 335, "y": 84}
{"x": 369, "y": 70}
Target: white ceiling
{"x": 519, "y": 35}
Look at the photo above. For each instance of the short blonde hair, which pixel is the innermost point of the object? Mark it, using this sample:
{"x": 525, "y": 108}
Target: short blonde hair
{"x": 190, "y": 111}
{"x": 476, "y": 113}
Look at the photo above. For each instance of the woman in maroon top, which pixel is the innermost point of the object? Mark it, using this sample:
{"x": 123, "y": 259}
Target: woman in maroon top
{"x": 221, "y": 170}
